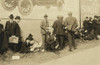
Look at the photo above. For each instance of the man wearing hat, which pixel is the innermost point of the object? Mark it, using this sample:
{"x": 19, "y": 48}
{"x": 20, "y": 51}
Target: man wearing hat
{"x": 44, "y": 25}
{"x": 70, "y": 24}
{"x": 85, "y": 23}
{"x": 8, "y": 30}
{"x": 12, "y": 29}
{"x": 18, "y": 32}
{"x": 58, "y": 31}
{"x": 8, "y": 27}
{"x": 95, "y": 26}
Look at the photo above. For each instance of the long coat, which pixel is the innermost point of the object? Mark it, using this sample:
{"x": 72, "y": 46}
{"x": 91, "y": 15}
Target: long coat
{"x": 44, "y": 26}
{"x": 1, "y": 35}
{"x": 58, "y": 27}
{"x": 13, "y": 29}
{"x": 85, "y": 24}
{"x": 96, "y": 26}
{"x": 3, "y": 40}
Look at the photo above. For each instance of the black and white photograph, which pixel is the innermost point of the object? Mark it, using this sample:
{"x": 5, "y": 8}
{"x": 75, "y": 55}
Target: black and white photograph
{"x": 49, "y": 32}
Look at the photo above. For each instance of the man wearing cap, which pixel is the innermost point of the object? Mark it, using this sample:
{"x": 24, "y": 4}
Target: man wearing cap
{"x": 44, "y": 25}
{"x": 12, "y": 29}
{"x": 70, "y": 24}
{"x": 58, "y": 31}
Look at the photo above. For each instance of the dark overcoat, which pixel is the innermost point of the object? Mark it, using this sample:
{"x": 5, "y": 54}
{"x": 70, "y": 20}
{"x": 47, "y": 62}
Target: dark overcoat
{"x": 12, "y": 29}
{"x": 85, "y": 24}
{"x": 58, "y": 27}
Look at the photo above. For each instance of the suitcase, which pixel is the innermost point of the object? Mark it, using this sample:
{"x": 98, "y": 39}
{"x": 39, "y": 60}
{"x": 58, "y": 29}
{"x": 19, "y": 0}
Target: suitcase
{"x": 13, "y": 39}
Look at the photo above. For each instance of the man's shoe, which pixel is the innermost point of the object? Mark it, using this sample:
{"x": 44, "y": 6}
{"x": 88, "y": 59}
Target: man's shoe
{"x": 42, "y": 50}
{"x": 57, "y": 52}
{"x": 75, "y": 48}
{"x": 97, "y": 38}
{"x": 70, "y": 50}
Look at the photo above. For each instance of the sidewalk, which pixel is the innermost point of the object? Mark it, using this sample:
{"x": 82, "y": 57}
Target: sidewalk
{"x": 87, "y": 57}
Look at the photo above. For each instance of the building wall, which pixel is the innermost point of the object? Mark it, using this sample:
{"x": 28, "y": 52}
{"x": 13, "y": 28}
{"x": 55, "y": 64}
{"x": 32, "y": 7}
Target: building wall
{"x": 31, "y": 23}
{"x": 89, "y": 8}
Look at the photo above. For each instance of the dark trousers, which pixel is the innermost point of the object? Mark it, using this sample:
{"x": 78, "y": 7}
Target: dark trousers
{"x": 96, "y": 32}
{"x": 60, "y": 39}
{"x": 13, "y": 47}
{"x": 71, "y": 40}
{"x": 44, "y": 40}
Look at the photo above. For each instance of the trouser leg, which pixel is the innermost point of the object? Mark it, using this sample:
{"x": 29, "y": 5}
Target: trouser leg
{"x": 58, "y": 39}
{"x": 96, "y": 33}
{"x": 14, "y": 47}
{"x": 61, "y": 41}
{"x": 70, "y": 40}
{"x": 43, "y": 41}
{"x": 73, "y": 40}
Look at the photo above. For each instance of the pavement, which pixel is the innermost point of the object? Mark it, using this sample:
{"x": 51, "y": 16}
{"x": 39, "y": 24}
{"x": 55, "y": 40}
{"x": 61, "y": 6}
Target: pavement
{"x": 86, "y": 57}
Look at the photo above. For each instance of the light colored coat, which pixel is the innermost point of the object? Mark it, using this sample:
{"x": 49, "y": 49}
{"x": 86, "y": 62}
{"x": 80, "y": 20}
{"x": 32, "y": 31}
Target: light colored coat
{"x": 71, "y": 23}
{"x": 44, "y": 26}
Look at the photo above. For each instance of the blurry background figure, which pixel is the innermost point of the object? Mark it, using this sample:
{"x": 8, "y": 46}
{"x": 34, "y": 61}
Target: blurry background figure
{"x": 95, "y": 27}
{"x": 85, "y": 23}
{"x": 99, "y": 25}
{"x": 44, "y": 31}
{"x": 90, "y": 25}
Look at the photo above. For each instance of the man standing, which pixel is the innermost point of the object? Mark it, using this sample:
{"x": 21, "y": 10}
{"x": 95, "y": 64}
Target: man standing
{"x": 44, "y": 30}
{"x": 95, "y": 26}
{"x": 12, "y": 29}
{"x": 18, "y": 33}
{"x": 85, "y": 23}
{"x": 70, "y": 24}
{"x": 59, "y": 31}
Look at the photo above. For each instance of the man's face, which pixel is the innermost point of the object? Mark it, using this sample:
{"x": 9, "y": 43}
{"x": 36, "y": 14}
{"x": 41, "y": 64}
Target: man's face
{"x": 17, "y": 20}
{"x": 69, "y": 14}
{"x": 10, "y": 19}
{"x": 45, "y": 18}
{"x": 86, "y": 18}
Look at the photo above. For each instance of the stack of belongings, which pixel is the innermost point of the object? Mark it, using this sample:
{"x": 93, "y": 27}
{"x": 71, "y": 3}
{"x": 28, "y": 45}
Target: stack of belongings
{"x": 78, "y": 34}
{"x": 89, "y": 36}
{"x": 84, "y": 34}
{"x": 13, "y": 39}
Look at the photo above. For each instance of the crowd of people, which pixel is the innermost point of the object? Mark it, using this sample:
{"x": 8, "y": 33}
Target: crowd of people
{"x": 91, "y": 26}
{"x": 64, "y": 33}
{"x": 11, "y": 29}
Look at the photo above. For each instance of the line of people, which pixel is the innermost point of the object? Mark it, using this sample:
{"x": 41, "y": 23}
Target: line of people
{"x": 63, "y": 30}
{"x": 12, "y": 28}
{"x": 63, "y": 34}
{"x": 92, "y": 26}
